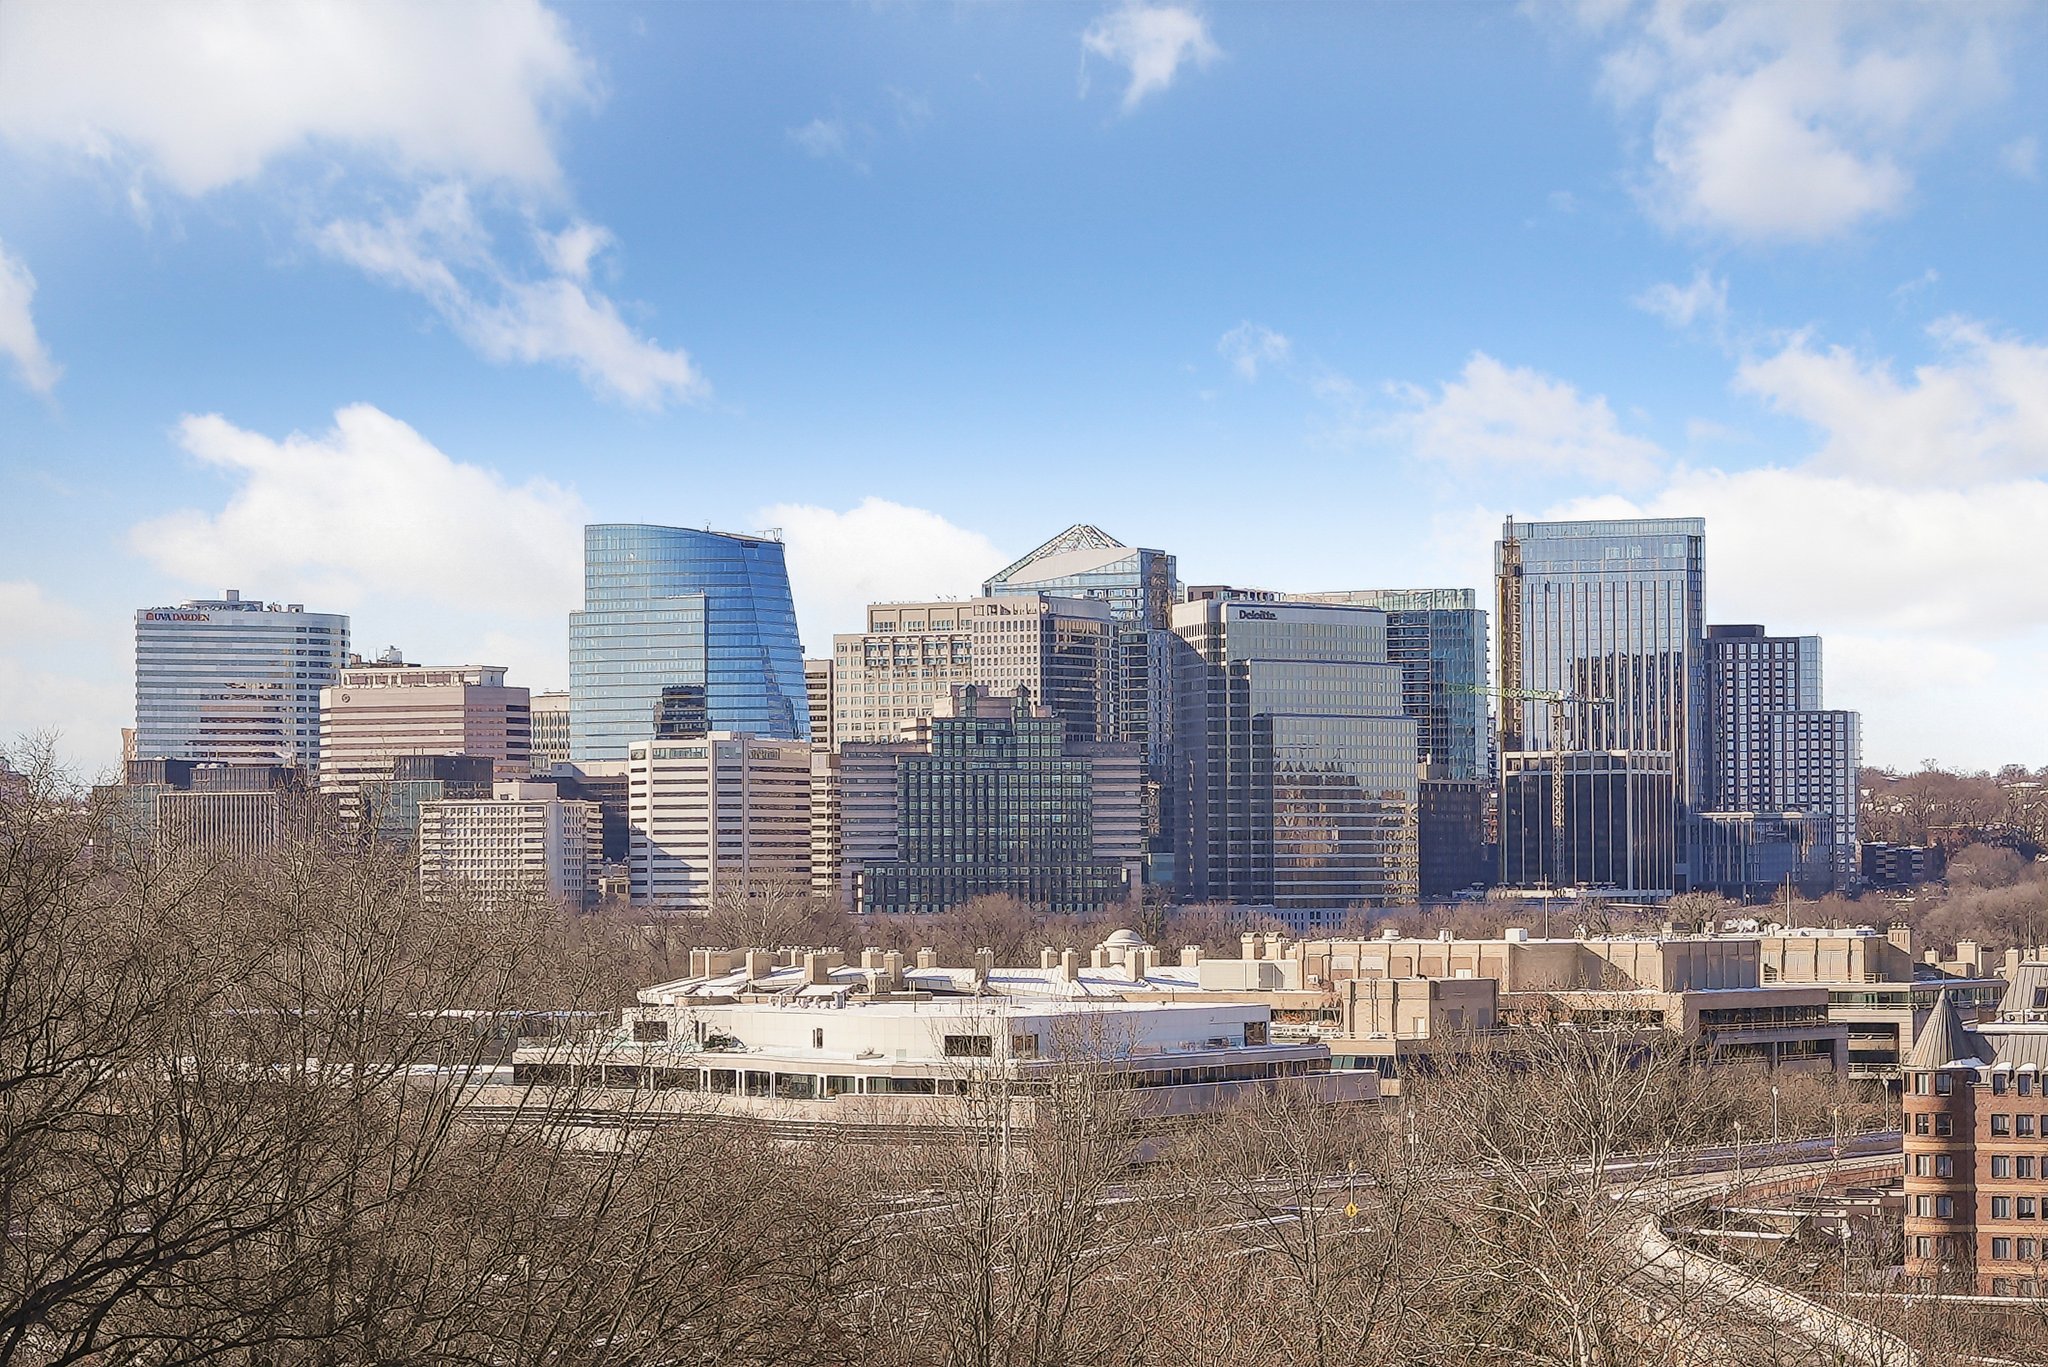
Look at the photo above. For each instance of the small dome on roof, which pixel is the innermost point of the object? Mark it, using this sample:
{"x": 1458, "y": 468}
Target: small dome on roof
{"x": 1124, "y": 939}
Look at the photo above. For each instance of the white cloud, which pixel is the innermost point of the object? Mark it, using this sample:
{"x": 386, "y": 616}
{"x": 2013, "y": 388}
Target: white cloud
{"x": 1703, "y": 298}
{"x": 570, "y": 251}
{"x": 874, "y": 552}
{"x": 369, "y": 507}
{"x": 83, "y": 710}
{"x": 1519, "y": 419}
{"x": 207, "y": 95}
{"x": 1980, "y": 414}
{"x": 55, "y": 663}
{"x": 1151, "y": 42}
{"x": 440, "y": 99}
{"x": 1795, "y": 121}
{"x": 1250, "y": 345}
{"x": 27, "y": 613}
{"x": 18, "y": 337}
{"x": 442, "y": 252}
{"x": 2022, "y": 157}
{"x": 825, "y": 139}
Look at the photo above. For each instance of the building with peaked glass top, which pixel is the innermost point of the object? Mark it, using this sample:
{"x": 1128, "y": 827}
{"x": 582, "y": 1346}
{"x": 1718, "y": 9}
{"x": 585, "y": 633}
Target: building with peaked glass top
{"x": 1139, "y": 587}
{"x": 682, "y": 632}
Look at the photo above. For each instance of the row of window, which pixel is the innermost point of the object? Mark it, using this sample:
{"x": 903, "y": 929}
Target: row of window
{"x": 2004, "y": 1250}
{"x": 2005, "y": 1126}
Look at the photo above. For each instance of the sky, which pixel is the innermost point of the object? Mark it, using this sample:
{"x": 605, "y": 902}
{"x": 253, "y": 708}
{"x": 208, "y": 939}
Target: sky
{"x": 371, "y": 306}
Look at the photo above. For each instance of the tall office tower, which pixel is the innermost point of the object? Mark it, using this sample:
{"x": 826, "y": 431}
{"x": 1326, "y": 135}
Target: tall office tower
{"x": 235, "y": 682}
{"x": 681, "y": 632}
{"x": 991, "y": 798}
{"x": 180, "y": 806}
{"x": 1438, "y": 637}
{"x": 1139, "y": 587}
{"x": 550, "y": 717}
{"x": 1295, "y": 762}
{"x": 818, "y": 693}
{"x": 374, "y": 713}
{"x": 523, "y": 839}
{"x": 717, "y": 813}
{"x": 1777, "y": 751}
{"x": 913, "y": 654}
{"x": 1609, "y": 614}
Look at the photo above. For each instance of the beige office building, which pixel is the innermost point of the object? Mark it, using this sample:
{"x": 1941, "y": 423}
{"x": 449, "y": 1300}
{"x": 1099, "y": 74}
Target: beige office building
{"x": 818, "y": 694}
{"x": 914, "y": 654}
{"x": 715, "y": 813}
{"x": 524, "y": 839}
{"x": 375, "y": 713}
{"x": 550, "y": 731}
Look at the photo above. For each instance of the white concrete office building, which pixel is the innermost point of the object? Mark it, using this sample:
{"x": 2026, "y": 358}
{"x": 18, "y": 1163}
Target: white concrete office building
{"x": 715, "y": 813}
{"x": 523, "y": 839}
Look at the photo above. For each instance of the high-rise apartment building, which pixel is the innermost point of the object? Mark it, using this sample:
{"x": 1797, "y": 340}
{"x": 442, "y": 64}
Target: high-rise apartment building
{"x": 913, "y": 655}
{"x": 717, "y": 813}
{"x": 231, "y": 681}
{"x": 1295, "y": 761}
{"x": 1608, "y": 614}
{"x": 524, "y": 839}
{"x": 1776, "y": 749}
{"x": 550, "y": 717}
{"x": 682, "y": 632}
{"x": 990, "y": 797}
{"x": 1438, "y": 637}
{"x": 375, "y": 713}
{"x": 1139, "y": 586}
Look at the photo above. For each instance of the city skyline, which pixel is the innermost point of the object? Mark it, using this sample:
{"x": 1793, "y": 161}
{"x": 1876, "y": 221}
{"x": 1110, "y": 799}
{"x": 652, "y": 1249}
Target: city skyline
{"x": 921, "y": 287}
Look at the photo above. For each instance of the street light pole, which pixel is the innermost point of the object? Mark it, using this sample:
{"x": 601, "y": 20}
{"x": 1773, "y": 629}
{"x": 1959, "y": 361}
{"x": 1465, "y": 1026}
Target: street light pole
{"x": 1774, "y": 1112}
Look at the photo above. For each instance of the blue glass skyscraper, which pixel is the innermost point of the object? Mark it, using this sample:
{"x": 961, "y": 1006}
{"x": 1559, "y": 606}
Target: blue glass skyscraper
{"x": 682, "y": 632}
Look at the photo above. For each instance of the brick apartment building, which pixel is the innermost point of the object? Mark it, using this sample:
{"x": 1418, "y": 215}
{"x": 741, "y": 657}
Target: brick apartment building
{"x": 1976, "y": 1147}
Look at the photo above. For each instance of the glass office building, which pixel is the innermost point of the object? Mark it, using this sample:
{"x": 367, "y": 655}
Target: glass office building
{"x": 1002, "y": 804}
{"x": 1438, "y": 637}
{"x": 1294, "y": 763}
{"x": 1620, "y": 821}
{"x": 682, "y": 630}
{"x": 1609, "y": 611}
{"x": 1140, "y": 587}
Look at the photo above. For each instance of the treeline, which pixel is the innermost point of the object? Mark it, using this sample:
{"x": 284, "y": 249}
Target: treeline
{"x": 1939, "y": 806}
{"x": 232, "y": 1131}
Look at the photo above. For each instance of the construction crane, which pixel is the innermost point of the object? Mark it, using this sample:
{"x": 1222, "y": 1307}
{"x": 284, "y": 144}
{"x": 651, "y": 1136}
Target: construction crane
{"x": 1557, "y": 703}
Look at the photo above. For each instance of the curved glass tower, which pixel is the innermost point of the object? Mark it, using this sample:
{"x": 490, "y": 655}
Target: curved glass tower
{"x": 682, "y": 632}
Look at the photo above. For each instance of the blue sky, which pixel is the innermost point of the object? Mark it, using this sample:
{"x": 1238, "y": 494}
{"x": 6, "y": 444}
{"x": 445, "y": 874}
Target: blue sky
{"x": 371, "y": 306}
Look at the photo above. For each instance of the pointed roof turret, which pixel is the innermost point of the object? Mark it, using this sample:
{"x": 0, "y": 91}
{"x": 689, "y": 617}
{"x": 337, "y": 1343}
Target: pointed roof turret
{"x": 1944, "y": 1041}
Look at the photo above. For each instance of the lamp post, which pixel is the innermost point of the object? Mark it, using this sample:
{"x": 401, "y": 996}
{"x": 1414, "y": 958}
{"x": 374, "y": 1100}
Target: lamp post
{"x": 1738, "y": 1158}
{"x": 1774, "y": 1112}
